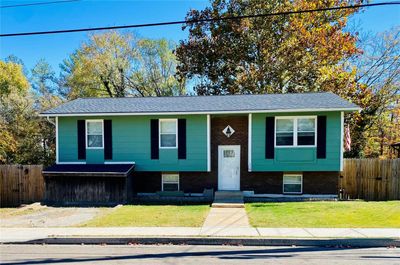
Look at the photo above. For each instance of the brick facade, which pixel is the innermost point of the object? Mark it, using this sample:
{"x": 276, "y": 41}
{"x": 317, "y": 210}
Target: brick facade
{"x": 259, "y": 182}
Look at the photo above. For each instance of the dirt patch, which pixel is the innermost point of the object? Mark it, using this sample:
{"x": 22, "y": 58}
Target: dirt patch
{"x": 43, "y": 216}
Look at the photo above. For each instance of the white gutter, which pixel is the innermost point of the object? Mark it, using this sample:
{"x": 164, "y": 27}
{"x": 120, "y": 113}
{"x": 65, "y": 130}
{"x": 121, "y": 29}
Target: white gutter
{"x": 194, "y": 112}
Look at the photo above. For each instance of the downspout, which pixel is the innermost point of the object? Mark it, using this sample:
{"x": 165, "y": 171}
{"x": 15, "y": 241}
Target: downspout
{"x": 50, "y": 121}
{"x": 56, "y": 126}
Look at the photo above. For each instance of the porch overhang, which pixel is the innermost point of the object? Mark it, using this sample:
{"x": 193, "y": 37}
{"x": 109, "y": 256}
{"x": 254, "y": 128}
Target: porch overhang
{"x": 89, "y": 170}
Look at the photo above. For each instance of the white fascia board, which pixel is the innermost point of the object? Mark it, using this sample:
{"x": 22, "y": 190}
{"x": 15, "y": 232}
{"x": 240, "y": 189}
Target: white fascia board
{"x": 208, "y": 143}
{"x": 341, "y": 139}
{"x": 195, "y": 112}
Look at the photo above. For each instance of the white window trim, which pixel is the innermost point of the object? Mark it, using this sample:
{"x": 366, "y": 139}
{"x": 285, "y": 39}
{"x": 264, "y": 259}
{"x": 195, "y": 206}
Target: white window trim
{"x": 102, "y": 133}
{"x": 295, "y": 121}
{"x": 57, "y": 154}
{"x": 159, "y": 134}
{"x": 208, "y": 143}
{"x": 169, "y": 174}
{"x": 341, "y": 139}
{"x": 250, "y": 142}
{"x": 283, "y": 183}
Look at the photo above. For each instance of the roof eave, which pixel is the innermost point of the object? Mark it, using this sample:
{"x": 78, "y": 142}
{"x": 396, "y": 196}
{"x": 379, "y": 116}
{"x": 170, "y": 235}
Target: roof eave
{"x": 43, "y": 114}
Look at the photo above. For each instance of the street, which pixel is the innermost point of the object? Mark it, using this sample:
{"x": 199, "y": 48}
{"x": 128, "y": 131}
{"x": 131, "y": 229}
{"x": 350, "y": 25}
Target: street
{"x": 185, "y": 254}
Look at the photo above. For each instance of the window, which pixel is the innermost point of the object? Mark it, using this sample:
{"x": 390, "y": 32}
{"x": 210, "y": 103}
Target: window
{"x": 284, "y": 132}
{"x": 168, "y": 133}
{"x": 94, "y": 134}
{"x": 295, "y": 131}
{"x": 292, "y": 183}
{"x": 170, "y": 182}
{"x": 306, "y": 131}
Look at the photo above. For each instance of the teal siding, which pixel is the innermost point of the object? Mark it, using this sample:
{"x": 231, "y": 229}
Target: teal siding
{"x": 296, "y": 158}
{"x": 95, "y": 156}
{"x": 131, "y": 142}
{"x": 67, "y": 139}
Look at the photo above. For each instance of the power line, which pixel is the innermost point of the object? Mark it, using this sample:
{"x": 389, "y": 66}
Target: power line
{"x": 39, "y": 3}
{"x": 196, "y": 20}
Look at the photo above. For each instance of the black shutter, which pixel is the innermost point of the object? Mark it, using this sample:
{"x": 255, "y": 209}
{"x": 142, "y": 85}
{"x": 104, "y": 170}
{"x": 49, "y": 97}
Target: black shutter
{"x": 81, "y": 139}
{"x": 107, "y": 139}
{"x": 321, "y": 137}
{"x": 154, "y": 139}
{"x": 269, "y": 137}
{"x": 181, "y": 138}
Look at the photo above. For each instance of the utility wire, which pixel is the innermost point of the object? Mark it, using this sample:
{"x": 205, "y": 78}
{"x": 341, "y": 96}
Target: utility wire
{"x": 197, "y": 20}
{"x": 39, "y": 3}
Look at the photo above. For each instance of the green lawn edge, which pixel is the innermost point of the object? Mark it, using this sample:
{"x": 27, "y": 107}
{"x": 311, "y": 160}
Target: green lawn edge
{"x": 152, "y": 215}
{"x": 337, "y": 214}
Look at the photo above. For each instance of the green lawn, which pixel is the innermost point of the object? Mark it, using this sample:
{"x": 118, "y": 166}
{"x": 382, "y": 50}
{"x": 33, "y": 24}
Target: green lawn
{"x": 153, "y": 215}
{"x": 325, "y": 214}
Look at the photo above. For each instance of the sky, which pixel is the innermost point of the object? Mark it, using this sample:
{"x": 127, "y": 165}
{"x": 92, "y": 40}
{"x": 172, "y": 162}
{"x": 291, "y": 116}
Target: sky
{"x": 91, "y": 13}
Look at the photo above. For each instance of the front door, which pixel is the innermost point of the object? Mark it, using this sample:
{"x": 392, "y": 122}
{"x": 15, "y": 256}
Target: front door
{"x": 229, "y": 167}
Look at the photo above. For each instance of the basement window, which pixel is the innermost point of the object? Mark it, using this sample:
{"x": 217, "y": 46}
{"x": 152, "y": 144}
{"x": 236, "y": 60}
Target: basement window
{"x": 292, "y": 183}
{"x": 170, "y": 182}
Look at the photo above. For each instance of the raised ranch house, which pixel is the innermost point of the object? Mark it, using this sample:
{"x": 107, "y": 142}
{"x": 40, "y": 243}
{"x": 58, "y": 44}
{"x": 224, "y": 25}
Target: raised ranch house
{"x": 114, "y": 149}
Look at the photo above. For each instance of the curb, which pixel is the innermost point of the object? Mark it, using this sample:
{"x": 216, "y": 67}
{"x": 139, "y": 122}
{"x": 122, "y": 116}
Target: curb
{"x": 322, "y": 242}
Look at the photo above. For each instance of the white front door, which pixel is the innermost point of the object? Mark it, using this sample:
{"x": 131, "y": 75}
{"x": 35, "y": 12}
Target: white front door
{"x": 229, "y": 167}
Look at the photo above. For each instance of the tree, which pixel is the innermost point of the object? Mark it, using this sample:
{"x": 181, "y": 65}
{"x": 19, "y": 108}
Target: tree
{"x": 155, "y": 76}
{"x": 378, "y": 77}
{"x": 25, "y": 138}
{"x": 291, "y": 53}
{"x": 46, "y": 94}
{"x": 118, "y": 65}
{"x": 17, "y": 123}
{"x": 12, "y": 79}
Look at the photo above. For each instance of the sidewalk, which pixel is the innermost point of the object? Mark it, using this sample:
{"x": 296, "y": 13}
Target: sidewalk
{"x": 14, "y": 235}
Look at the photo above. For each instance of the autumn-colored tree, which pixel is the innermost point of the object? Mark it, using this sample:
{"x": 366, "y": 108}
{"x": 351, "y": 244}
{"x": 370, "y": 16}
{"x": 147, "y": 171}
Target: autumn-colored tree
{"x": 117, "y": 65}
{"x": 15, "y": 112}
{"x": 378, "y": 80}
{"x": 12, "y": 79}
{"x": 25, "y": 138}
{"x": 275, "y": 54}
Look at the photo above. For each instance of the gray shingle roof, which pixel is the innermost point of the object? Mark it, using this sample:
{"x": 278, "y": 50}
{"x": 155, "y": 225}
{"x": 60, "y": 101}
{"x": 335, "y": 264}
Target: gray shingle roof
{"x": 204, "y": 104}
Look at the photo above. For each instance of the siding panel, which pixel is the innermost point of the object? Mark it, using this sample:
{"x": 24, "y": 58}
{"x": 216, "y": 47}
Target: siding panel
{"x": 296, "y": 159}
{"x": 131, "y": 142}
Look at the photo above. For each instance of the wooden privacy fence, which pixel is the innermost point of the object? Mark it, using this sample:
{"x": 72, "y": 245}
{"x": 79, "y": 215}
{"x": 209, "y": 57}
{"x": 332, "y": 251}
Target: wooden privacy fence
{"x": 371, "y": 179}
{"x": 20, "y": 184}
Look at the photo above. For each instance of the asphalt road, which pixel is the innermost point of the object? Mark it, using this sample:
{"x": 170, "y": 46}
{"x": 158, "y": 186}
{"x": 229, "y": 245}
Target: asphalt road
{"x": 205, "y": 255}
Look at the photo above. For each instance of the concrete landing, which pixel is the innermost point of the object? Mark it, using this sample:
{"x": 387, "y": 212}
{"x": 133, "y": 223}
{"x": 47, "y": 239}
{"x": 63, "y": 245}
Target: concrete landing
{"x": 228, "y": 199}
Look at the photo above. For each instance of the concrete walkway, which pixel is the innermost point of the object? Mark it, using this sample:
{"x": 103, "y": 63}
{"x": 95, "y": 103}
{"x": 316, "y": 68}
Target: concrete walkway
{"x": 8, "y": 235}
{"x": 227, "y": 221}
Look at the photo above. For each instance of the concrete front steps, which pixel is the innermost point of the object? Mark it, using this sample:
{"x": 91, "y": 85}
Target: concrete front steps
{"x": 228, "y": 199}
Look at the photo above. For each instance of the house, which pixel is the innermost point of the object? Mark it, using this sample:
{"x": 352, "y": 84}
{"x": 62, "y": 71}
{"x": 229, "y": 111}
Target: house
{"x": 109, "y": 149}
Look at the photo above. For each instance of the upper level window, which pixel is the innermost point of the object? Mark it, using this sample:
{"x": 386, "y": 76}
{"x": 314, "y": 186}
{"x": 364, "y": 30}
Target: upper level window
{"x": 295, "y": 131}
{"x": 94, "y": 134}
{"x": 168, "y": 133}
{"x": 306, "y": 131}
{"x": 284, "y": 132}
